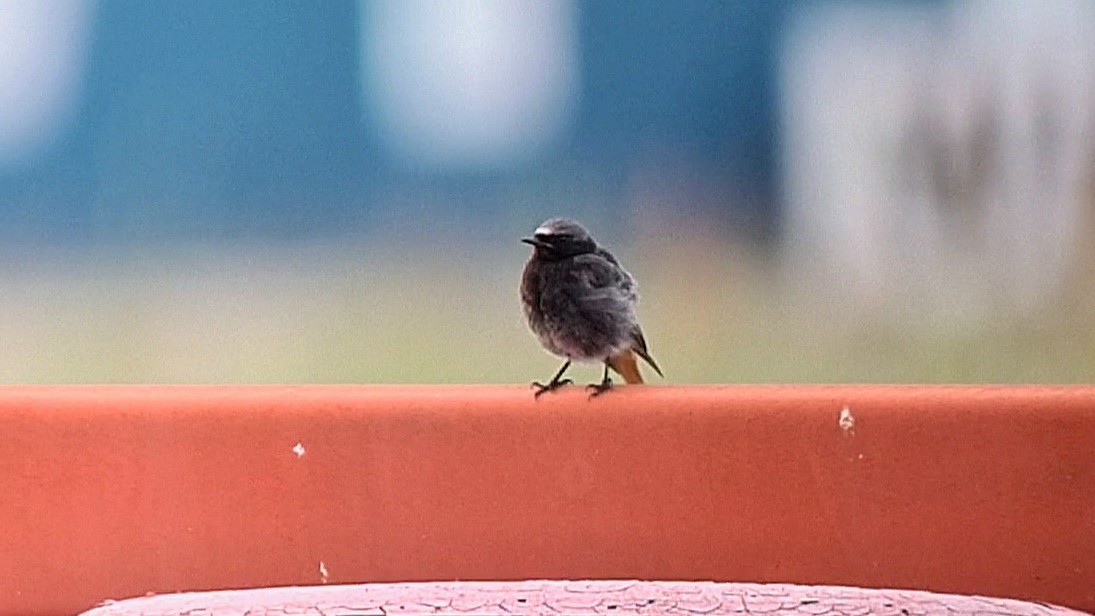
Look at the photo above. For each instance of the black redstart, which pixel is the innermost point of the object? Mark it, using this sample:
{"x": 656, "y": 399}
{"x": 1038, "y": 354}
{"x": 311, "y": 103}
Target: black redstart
{"x": 581, "y": 304}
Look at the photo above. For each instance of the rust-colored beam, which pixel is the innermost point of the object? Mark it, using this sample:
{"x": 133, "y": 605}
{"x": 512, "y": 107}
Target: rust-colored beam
{"x": 115, "y": 491}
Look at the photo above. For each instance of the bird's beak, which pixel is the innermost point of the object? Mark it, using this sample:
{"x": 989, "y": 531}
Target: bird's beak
{"x": 531, "y": 241}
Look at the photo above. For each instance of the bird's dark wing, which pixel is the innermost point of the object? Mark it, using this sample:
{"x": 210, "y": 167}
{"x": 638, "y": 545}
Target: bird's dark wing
{"x": 607, "y": 294}
{"x": 639, "y": 346}
{"x": 600, "y": 285}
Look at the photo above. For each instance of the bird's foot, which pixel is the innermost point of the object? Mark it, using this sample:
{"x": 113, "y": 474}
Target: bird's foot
{"x": 596, "y": 389}
{"x": 552, "y": 386}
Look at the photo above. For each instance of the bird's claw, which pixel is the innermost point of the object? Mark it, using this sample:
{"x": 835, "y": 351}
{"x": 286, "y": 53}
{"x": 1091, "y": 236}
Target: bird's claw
{"x": 552, "y": 386}
{"x": 596, "y": 389}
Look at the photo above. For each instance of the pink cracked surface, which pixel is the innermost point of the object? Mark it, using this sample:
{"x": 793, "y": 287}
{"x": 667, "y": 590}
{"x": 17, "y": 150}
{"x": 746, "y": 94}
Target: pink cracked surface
{"x": 573, "y": 597}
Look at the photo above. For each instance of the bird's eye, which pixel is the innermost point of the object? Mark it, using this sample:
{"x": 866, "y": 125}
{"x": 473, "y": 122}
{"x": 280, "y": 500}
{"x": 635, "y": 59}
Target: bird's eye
{"x": 543, "y": 237}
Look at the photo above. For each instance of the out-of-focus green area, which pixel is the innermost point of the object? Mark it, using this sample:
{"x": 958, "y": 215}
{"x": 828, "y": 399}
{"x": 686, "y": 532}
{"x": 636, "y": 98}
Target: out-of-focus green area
{"x": 343, "y": 313}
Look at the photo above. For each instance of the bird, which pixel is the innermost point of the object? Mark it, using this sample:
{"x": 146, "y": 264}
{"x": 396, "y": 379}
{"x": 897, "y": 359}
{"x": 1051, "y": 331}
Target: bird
{"x": 580, "y": 303}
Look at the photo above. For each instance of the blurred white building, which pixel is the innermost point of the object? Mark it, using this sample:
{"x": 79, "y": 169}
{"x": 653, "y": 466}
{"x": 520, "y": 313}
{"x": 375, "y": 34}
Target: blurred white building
{"x": 43, "y": 47}
{"x": 939, "y": 160}
{"x": 477, "y": 84}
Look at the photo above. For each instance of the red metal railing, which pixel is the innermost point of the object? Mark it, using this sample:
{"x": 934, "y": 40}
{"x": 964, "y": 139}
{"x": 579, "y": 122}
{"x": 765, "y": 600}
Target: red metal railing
{"x": 116, "y": 491}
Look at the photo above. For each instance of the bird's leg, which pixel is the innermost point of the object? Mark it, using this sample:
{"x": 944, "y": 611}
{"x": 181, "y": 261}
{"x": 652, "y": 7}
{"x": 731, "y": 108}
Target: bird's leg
{"x": 556, "y": 382}
{"x": 597, "y": 389}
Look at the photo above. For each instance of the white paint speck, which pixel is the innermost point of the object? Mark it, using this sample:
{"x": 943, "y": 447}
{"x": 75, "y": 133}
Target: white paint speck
{"x": 846, "y": 421}
{"x": 323, "y": 575}
{"x": 298, "y": 449}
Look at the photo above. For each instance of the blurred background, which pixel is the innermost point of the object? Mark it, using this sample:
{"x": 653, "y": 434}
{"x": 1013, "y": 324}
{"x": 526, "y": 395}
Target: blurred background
{"x": 299, "y": 191}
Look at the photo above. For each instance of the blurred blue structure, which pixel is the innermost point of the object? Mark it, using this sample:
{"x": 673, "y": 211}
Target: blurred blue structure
{"x": 208, "y": 119}
{"x": 809, "y": 190}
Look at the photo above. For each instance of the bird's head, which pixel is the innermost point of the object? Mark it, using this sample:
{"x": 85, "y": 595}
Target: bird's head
{"x": 559, "y": 238}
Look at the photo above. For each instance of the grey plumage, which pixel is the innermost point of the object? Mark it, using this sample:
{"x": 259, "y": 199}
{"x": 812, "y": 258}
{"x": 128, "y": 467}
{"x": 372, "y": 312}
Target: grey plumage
{"x": 580, "y": 302}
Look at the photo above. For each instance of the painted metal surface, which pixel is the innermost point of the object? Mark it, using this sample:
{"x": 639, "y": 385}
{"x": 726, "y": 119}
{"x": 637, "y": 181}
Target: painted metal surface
{"x": 117, "y": 491}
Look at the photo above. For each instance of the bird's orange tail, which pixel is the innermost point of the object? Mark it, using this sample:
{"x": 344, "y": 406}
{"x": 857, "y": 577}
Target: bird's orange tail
{"x": 628, "y": 367}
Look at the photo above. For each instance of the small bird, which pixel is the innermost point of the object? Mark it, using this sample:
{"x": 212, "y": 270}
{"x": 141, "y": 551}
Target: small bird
{"x": 581, "y": 305}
